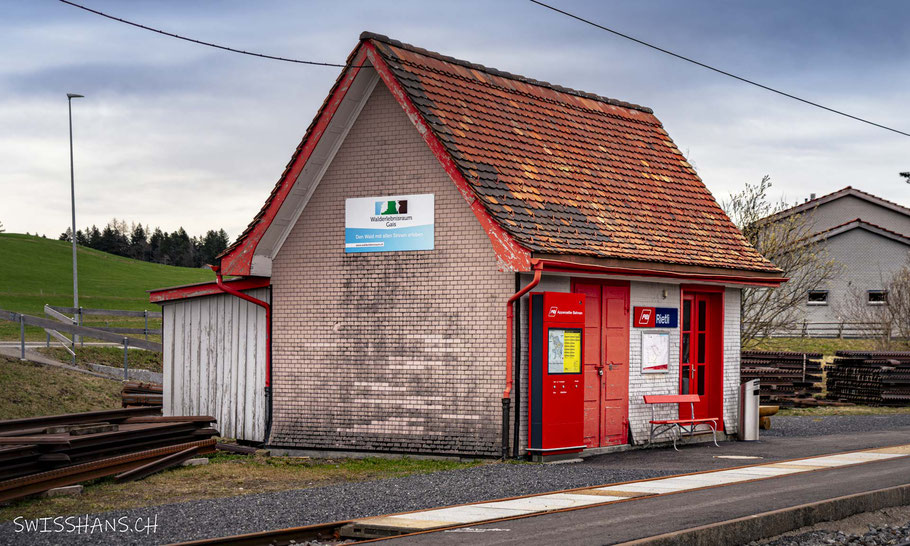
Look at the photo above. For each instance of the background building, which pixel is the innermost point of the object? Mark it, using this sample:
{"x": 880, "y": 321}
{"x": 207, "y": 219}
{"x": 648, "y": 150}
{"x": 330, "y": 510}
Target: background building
{"x": 868, "y": 238}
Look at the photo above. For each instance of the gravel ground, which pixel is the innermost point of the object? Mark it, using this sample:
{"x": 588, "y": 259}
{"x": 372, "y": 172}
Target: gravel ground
{"x": 876, "y": 536}
{"x": 833, "y": 424}
{"x": 886, "y": 526}
{"x": 251, "y": 513}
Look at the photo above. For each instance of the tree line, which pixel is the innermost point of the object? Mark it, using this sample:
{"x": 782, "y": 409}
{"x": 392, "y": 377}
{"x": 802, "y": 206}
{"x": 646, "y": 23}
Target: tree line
{"x": 141, "y": 243}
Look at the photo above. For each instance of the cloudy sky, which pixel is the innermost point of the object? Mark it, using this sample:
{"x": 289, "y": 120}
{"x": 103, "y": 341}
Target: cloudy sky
{"x": 174, "y": 134}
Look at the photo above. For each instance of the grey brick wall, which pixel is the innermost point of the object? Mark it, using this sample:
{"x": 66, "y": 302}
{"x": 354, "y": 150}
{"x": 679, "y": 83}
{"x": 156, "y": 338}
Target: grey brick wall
{"x": 835, "y": 213}
{"x": 392, "y": 351}
{"x": 732, "y": 355}
{"x": 649, "y": 294}
{"x": 867, "y": 261}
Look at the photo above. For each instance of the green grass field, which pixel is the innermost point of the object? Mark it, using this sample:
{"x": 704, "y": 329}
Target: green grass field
{"x": 825, "y": 346}
{"x": 36, "y": 271}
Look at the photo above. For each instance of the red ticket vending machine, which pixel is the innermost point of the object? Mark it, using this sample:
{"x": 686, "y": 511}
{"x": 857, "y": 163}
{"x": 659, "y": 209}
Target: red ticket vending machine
{"x": 556, "y": 381}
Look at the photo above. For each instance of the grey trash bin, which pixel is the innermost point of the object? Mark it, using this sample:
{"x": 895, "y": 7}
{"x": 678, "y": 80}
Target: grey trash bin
{"x": 748, "y": 410}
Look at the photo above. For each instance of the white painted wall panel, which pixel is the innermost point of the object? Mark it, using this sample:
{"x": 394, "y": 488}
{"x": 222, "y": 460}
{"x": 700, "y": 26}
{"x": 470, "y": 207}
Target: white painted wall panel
{"x": 214, "y": 362}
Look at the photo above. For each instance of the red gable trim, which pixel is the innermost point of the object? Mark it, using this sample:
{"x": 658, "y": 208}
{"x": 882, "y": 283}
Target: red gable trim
{"x": 162, "y": 295}
{"x": 239, "y": 259}
{"x": 511, "y": 255}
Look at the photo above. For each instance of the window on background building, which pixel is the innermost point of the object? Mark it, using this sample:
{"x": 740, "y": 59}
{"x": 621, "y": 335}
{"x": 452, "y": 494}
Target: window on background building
{"x": 877, "y": 297}
{"x": 818, "y": 297}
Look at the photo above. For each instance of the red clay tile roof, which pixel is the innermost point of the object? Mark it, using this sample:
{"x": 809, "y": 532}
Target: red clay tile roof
{"x": 568, "y": 172}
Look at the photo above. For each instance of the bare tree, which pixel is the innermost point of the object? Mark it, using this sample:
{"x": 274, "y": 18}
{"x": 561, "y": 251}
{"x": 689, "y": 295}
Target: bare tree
{"x": 888, "y": 321}
{"x": 785, "y": 240}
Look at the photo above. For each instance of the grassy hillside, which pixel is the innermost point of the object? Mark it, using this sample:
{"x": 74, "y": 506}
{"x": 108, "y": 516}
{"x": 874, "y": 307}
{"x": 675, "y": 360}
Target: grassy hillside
{"x": 36, "y": 271}
{"x": 30, "y": 390}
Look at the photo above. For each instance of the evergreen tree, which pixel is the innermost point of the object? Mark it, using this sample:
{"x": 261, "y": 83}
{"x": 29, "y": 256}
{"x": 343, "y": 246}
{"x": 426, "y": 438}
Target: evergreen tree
{"x": 139, "y": 245}
{"x": 93, "y": 237}
{"x": 155, "y": 243}
{"x": 183, "y": 249}
{"x": 114, "y": 240}
{"x": 212, "y": 245}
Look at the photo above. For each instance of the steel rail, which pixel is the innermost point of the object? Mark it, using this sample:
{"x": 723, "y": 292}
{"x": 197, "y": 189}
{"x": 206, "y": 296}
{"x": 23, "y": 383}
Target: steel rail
{"x": 35, "y": 483}
{"x": 77, "y": 418}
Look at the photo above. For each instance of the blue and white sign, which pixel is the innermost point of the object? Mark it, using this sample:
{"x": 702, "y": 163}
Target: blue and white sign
{"x": 388, "y": 224}
{"x": 656, "y": 317}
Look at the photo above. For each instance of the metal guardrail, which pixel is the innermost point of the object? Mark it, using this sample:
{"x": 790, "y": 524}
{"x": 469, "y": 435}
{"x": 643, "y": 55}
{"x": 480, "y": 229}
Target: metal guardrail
{"x": 105, "y": 312}
{"x": 80, "y": 312}
{"x": 843, "y": 329}
{"x": 84, "y": 331}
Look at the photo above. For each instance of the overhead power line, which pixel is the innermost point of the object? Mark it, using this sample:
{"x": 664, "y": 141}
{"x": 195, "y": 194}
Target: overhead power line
{"x": 209, "y": 44}
{"x": 719, "y": 71}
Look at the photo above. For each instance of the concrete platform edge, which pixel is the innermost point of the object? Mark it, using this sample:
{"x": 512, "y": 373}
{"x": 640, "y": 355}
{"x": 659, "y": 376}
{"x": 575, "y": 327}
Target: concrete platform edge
{"x": 776, "y": 522}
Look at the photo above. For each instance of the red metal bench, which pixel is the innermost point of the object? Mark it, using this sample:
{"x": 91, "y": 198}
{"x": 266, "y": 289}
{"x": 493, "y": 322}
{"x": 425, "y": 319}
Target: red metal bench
{"x": 679, "y": 426}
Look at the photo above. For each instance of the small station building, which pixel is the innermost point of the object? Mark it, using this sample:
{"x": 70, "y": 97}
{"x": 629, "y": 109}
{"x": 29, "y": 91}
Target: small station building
{"x": 446, "y": 236}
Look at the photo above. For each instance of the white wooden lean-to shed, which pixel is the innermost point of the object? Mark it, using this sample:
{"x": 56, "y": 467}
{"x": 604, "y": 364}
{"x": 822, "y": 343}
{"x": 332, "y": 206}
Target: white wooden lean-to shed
{"x": 214, "y": 348}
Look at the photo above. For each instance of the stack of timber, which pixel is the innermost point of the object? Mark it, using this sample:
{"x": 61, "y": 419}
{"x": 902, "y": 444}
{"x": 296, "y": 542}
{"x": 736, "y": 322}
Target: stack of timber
{"x": 785, "y": 378}
{"x": 875, "y": 378}
{"x": 42, "y": 453}
{"x": 135, "y": 393}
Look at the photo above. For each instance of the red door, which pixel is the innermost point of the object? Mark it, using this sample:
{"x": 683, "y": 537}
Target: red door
{"x": 606, "y": 362}
{"x": 701, "y": 352}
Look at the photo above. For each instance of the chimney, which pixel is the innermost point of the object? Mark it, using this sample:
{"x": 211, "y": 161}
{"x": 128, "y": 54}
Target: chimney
{"x": 811, "y": 196}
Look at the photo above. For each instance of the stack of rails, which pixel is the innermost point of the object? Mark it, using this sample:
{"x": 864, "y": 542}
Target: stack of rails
{"x": 42, "y": 453}
{"x": 784, "y": 377}
{"x": 135, "y": 393}
{"x": 875, "y": 378}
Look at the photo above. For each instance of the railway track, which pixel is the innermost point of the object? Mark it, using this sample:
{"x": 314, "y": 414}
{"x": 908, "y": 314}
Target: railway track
{"x": 324, "y": 533}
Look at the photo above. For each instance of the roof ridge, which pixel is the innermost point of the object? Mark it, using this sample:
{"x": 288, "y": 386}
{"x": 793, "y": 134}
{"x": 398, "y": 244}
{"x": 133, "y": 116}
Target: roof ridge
{"x": 861, "y": 221}
{"x": 872, "y": 195}
{"x": 366, "y": 35}
{"x": 818, "y": 201}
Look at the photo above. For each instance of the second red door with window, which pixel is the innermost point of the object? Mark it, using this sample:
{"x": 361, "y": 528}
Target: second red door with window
{"x": 701, "y": 352}
{"x": 606, "y": 361}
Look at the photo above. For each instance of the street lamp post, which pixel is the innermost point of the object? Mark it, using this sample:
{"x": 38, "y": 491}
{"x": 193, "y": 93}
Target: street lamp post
{"x": 69, "y": 101}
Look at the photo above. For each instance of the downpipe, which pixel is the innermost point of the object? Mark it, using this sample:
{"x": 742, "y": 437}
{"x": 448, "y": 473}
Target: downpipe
{"x": 510, "y": 320}
{"x": 219, "y": 281}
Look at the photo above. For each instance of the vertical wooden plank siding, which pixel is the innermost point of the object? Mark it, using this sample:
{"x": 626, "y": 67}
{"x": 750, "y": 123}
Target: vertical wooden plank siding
{"x": 214, "y": 362}
{"x": 167, "y": 349}
{"x": 219, "y": 356}
{"x": 177, "y": 377}
{"x": 240, "y": 357}
{"x": 231, "y": 362}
